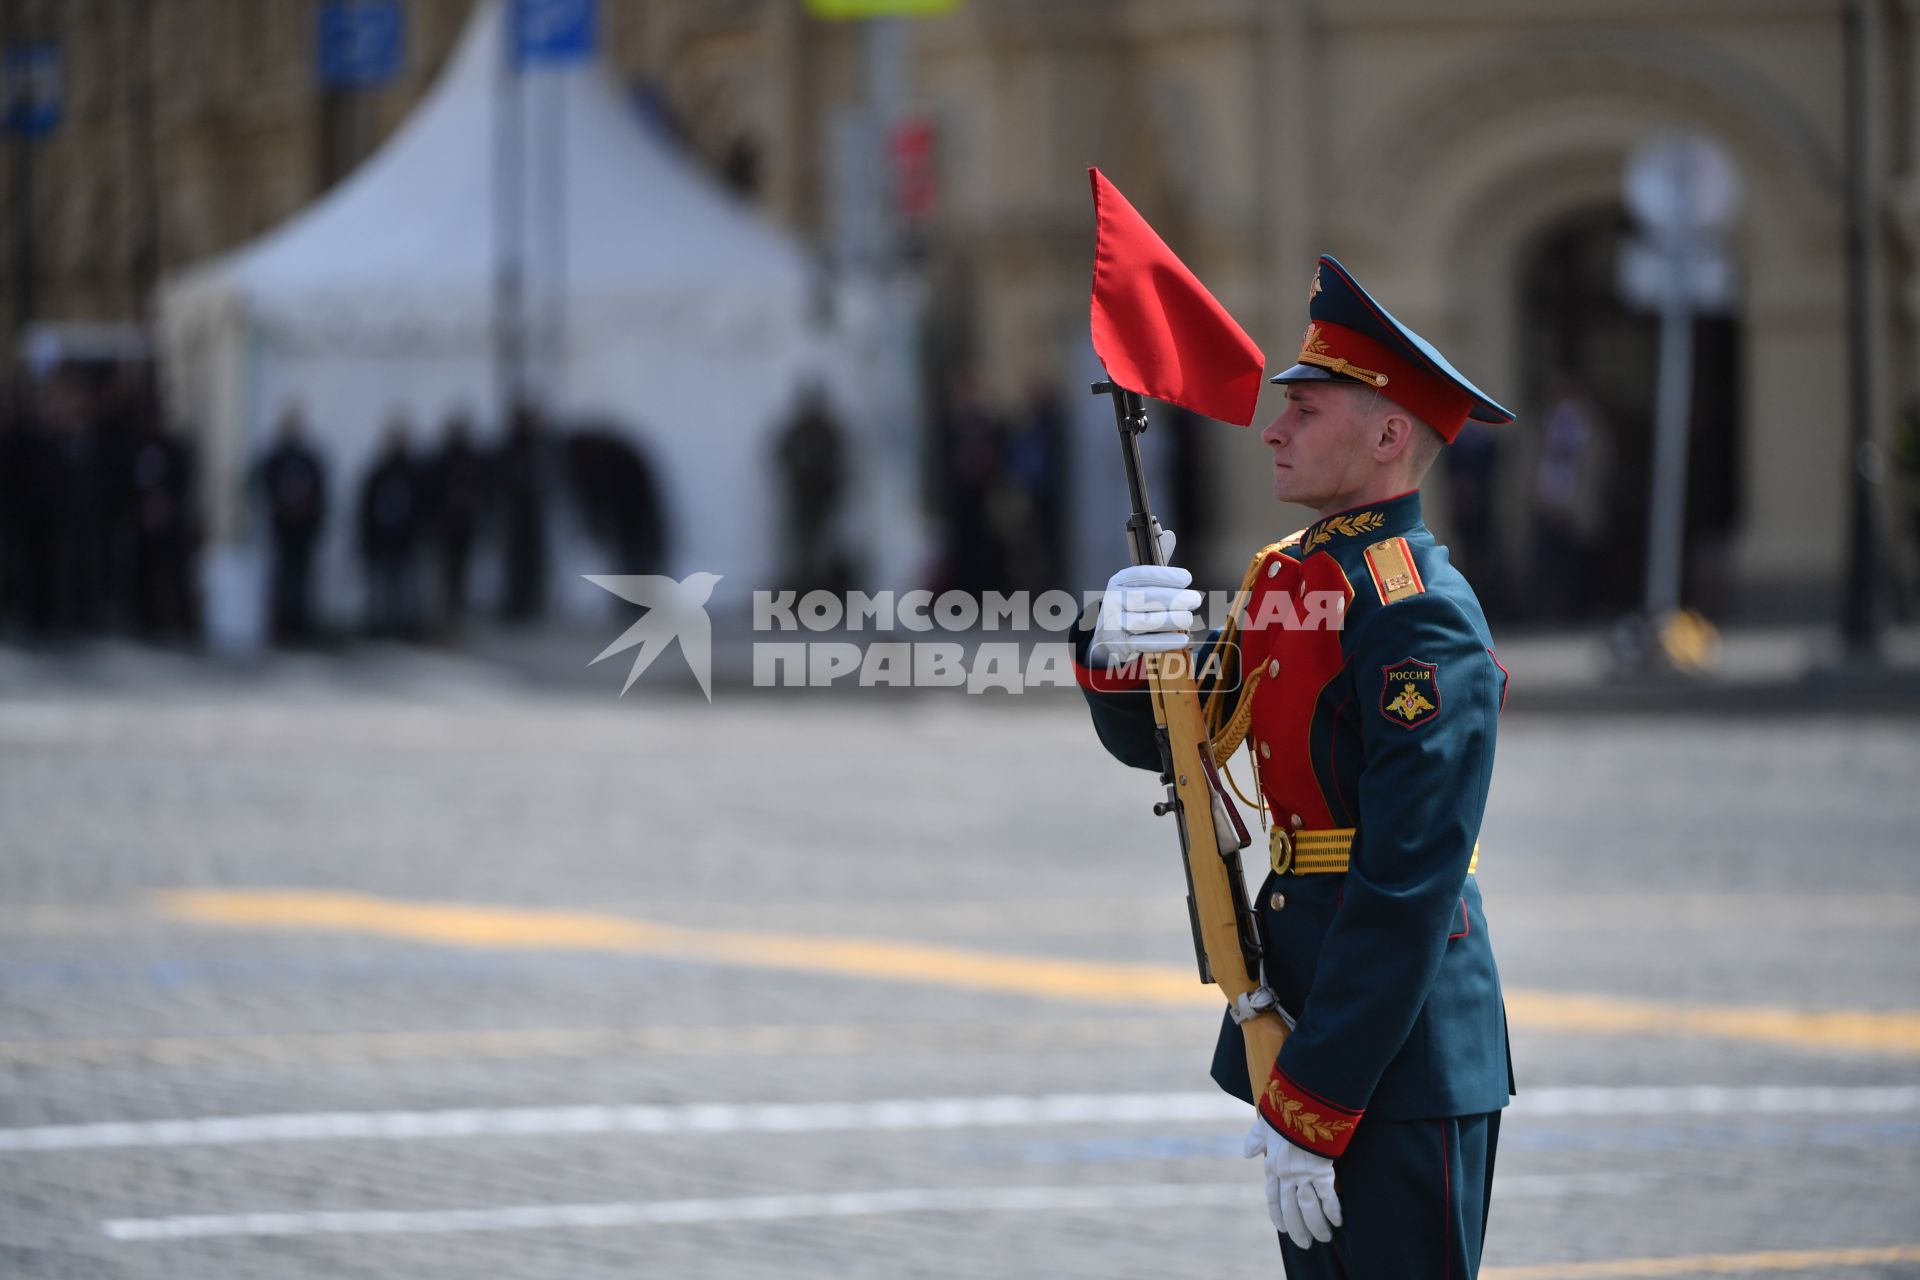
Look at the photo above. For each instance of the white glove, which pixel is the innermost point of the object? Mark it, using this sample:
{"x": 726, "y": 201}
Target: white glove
{"x": 1147, "y": 609}
{"x": 1300, "y": 1195}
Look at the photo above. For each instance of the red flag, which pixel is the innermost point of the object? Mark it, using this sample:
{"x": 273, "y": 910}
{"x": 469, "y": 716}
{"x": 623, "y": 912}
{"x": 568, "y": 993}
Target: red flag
{"x": 1156, "y": 328}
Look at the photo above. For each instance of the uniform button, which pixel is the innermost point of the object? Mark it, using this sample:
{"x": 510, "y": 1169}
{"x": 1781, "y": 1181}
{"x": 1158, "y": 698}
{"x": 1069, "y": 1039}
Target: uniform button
{"x": 1278, "y": 901}
{"x": 1297, "y": 824}
{"x": 1273, "y": 569}
{"x": 1266, "y": 752}
{"x": 1273, "y": 668}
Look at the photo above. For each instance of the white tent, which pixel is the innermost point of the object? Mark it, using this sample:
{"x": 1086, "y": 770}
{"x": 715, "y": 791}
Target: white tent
{"x": 651, "y": 300}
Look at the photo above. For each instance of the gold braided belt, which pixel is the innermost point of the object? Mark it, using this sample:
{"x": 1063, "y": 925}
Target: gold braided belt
{"x": 1315, "y": 853}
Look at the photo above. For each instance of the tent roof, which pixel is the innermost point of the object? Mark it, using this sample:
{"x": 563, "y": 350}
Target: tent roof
{"x": 613, "y": 210}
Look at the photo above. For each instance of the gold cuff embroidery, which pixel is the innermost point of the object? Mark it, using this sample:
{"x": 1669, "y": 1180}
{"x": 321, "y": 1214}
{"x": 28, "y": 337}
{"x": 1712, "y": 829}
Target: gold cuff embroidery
{"x": 1292, "y": 1114}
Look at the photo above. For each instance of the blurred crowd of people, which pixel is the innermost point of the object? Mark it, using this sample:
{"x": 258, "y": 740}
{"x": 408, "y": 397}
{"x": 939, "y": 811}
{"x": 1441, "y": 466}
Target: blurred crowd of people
{"x": 422, "y": 516}
{"x": 998, "y": 476}
{"x": 411, "y": 509}
{"x": 98, "y": 525}
{"x": 1555, "y": 575}
{"x": 414, "y": 512}
{"x": 100, "y": 530}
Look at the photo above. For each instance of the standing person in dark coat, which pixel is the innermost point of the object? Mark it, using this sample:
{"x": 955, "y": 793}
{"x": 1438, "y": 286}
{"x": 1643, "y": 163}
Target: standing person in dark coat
{"x": 1035, "y": 486}
{"x": 161, "y": 485}
{"x": 1906, "y": 454}
{"x": 523, "y": 503}
{"x": 122, "y": 408}
{"x": 617, "y": 496}
{"x": 459, "y": 503}
{"x": 1569, "y": 501}
{"x": 16, "y": 443}
{"x": 34, "y": 503}
{"x": 1192, "y": 507}
{"x": 294, "y": 482}
{"x": 391, "y": 510}
{"x": 809, "y": 462}
{"x": 1470, "y": 466}
{"x": 70, "y": 509}
{"x": 975, "y": 552}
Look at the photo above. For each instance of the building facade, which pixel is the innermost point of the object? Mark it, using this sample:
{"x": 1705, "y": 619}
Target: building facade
{"x": 1464, "y": 160}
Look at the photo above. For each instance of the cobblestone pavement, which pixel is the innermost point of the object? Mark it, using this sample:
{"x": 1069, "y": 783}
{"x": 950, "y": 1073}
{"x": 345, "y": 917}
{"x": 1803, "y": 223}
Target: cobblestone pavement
{"x": 492, "y": 984}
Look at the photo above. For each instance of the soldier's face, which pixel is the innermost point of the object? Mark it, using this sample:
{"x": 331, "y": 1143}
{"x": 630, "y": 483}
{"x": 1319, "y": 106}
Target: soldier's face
{"x": 1320, "y": 444}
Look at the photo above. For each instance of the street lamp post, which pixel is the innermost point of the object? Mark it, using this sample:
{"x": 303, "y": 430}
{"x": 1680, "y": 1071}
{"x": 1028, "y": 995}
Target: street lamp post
{"x": 30, "y": 102}
{"x": 1862, "y": 613}
{"x": 1683, "y": 189}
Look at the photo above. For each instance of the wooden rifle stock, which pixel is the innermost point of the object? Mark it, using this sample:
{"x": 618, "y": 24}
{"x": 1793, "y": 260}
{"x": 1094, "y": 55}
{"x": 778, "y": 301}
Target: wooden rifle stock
{"x": 1226, "y": 938}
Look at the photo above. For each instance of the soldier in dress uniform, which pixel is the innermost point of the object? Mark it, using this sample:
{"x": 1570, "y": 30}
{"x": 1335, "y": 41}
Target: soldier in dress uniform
{"x": 1359, "y": 674}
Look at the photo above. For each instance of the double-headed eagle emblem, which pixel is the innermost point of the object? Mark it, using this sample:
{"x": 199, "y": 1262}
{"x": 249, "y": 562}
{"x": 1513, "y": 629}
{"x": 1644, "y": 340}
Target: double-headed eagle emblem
{"x": 1411, "y": 703}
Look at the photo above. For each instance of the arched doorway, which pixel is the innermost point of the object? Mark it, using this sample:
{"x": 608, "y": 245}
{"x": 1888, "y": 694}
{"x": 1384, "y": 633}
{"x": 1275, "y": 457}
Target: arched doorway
{"x": 1579, "y": 337}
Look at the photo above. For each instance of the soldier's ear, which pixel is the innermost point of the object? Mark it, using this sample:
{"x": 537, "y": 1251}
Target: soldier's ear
{"x": 1394, "y": 436}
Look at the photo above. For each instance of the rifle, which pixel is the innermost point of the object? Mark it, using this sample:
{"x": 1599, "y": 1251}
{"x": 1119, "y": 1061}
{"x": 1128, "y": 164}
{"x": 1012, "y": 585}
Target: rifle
{"x": 1226, "y": 940}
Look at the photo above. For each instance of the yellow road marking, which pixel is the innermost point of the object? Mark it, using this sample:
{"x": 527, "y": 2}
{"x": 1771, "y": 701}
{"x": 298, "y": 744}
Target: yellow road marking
{"x": 472, "y": 926}
{"x": 461, "y": 925}
{"x": 1850, "y": 1030}
{"x": 1707, "y": 1264}
{"x": 1084, "y": 915}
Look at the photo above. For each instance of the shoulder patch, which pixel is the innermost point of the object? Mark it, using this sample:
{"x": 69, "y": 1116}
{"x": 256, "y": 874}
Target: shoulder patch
{"x": 1392, "y": 567}
{"x": 1410, "y": 692}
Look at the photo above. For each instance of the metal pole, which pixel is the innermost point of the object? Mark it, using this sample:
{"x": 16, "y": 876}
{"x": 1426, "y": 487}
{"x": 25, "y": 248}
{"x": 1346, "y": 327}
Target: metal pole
{"x": 143, "y": 145}
{"x": 25, "y": 220}
{"x": 553, "y": 180}
{"x": 886, "y": 52}
{"x": 1862, "y": 614}
{"x": 560, "y": 245}
{"x": 1666, "y": 541}
{"x": 353, "y": 130}
{"x": 327, "y": 138}
{"x": 507, "y": 186}
{"x": 25, "y": 211}
{"x": 871, "y": 254}
{"x": 21, "y": 194}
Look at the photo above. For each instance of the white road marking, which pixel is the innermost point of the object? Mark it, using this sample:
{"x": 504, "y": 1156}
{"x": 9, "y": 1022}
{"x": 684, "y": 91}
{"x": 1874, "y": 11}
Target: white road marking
{"x": 1716, "y": 1100}
{"x": 699, "y": 1117}
{"x": 735, "y": 1210}
{"x": 902, "y": 1114}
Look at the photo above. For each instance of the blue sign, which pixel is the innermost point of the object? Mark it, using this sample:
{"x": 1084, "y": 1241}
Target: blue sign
{"x": 30, "y": 86}
{"x": 553, "y": 31}
{"x": 359, "y": 43}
